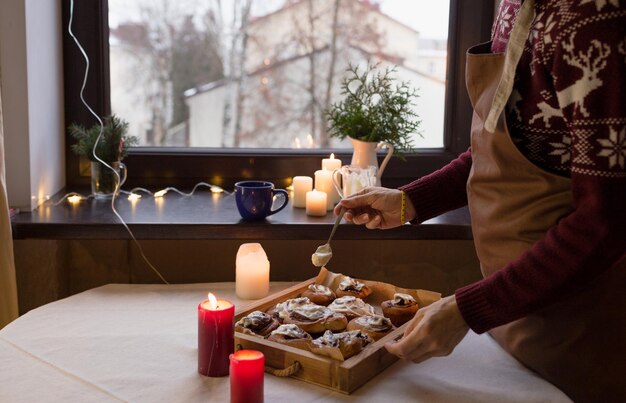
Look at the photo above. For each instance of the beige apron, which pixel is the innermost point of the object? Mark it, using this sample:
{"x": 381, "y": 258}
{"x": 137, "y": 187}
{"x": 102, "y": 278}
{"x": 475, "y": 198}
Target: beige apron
{"x": 579, "y": 343}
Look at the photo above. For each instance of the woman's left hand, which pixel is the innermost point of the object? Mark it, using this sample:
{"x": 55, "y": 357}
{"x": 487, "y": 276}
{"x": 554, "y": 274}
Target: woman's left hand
{"x": 434, "y": 331}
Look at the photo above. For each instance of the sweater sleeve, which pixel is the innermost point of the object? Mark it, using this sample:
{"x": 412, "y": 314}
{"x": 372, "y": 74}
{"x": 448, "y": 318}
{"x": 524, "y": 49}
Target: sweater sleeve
{"x": 440, "y": 191}
{"x": 592, "y": 239}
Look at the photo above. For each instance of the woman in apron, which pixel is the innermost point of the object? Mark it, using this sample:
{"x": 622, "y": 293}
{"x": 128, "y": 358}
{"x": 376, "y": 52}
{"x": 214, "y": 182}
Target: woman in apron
{"x": 551, "y": 238}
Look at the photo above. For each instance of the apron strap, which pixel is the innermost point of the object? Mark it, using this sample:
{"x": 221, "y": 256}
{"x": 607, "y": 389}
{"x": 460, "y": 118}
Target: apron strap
{"x": 514, "y": 50}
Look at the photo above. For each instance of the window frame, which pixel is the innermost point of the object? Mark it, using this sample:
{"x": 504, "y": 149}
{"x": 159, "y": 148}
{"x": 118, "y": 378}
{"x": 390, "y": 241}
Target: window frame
{"x": 469, "y": 24}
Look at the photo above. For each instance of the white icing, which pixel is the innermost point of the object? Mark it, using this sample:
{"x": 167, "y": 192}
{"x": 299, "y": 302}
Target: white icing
{"x": 347, "y": 337}
{"x": 285, "y": 308}
{"x": 353, "y": 305}
{"x": 320, "y": 289}
{"x": 254, "y": 320}
{"x": 290, "y": 331}
{"x": 403, "y": 299}
{"x": 331, "y": 339}
{"x": 376, "y": 323}
{"x": 328, "y": 339}
{"x": 348, "y": 283}
{"x": 321, "y": 257}
{"x": 313, "y": 312}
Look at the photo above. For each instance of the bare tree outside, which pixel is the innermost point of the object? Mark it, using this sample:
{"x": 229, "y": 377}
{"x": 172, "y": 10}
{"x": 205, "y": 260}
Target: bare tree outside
{"x": 169, "y": 47}
{"x": 256, "y": 73}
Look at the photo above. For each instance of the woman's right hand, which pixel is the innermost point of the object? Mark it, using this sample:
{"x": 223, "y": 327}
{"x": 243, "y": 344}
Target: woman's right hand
{"x": 376, "y": 207}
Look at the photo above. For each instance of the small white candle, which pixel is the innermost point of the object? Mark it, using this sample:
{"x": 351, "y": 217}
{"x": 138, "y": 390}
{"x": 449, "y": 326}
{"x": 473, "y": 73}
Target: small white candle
{"x": 324, "y": 183}
{"x": 252, "y": 272}
{"x": 331, "y": 163}
{"x": 301, "y": 185}
{"x": 316, "y": 203}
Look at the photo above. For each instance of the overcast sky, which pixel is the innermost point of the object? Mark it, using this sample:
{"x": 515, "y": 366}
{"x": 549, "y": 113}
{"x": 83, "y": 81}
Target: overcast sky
{"x": 429, "y": 17}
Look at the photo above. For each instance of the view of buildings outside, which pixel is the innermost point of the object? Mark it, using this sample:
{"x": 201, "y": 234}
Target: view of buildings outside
{"x": 260, "y": 73}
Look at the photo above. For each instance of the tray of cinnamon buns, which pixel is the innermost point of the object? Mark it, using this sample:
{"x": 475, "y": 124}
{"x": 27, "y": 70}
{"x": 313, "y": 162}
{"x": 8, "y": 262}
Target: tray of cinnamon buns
{"x": 331, "y": 328}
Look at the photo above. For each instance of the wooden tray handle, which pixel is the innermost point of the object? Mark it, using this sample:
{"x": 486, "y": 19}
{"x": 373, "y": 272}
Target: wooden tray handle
{"x": 290, "y": 370}
{"x": 285, "y": 372}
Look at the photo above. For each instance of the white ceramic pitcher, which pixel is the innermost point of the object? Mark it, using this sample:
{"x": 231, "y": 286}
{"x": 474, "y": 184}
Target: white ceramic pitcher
{"x": 364, "y": 155}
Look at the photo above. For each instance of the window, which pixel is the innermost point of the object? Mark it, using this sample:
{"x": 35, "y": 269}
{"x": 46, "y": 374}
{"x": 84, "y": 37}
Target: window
{"x": 252, "y": 105}
{"x": 261, "y": 73}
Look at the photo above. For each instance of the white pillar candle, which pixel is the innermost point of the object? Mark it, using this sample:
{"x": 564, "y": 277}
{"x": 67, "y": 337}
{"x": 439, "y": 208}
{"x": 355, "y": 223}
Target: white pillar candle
{"x": 330, "y": 164}
{"x": 324, "y": 183}
{"x": 252, "y": 272}
{"x": 316, "y": 203}
{"x": 301, "y": 185}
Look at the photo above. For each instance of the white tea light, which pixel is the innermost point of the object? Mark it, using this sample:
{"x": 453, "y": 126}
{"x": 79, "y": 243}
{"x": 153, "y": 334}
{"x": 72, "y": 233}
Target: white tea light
{"x": 316, "y": 203}
{"x": 252, "y": 272}
{"x": 301, "y": 185}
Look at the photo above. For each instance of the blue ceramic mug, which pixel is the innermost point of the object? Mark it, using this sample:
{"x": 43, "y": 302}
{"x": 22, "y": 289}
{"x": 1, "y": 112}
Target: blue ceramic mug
{"x": 255, "y": 199}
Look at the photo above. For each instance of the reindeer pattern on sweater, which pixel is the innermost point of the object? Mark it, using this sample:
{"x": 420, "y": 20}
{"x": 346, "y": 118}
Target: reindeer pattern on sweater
{"x": 567, "y": 112}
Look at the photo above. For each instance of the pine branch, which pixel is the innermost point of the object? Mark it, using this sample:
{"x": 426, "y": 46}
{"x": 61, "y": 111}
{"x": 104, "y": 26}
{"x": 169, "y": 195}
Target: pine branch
{"x": 113, "y": 144}
{"x": 375, "y": 108}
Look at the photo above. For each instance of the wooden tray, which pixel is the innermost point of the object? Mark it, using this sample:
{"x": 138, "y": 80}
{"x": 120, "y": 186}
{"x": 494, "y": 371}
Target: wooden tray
{"x": 340, "y": 376}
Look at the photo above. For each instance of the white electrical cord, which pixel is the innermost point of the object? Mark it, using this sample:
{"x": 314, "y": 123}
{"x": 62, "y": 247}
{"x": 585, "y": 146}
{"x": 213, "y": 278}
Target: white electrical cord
{"x": 117, "y": 175}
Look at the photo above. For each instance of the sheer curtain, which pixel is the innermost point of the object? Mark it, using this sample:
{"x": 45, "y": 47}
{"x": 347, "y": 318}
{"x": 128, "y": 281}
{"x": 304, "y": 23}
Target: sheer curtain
{"x": 8, "y": 288}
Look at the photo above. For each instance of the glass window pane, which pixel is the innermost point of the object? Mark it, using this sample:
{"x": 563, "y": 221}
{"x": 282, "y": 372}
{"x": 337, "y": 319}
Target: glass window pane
{"x": 260, "y": 73}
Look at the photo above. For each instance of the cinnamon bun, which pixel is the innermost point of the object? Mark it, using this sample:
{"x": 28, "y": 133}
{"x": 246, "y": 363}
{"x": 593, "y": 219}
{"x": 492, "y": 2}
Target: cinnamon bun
{"x": 340, "y": 346}
{"x": 291, "y": 335}
{"x": 319, "y": 294}
{"x": 257, "y": 322}
{"x": 375, "y": 326}
{"x": 281, "y": 310}
{"x": 316, "y": 319}
{"x": 351, "y": 307}
{"x": 400, "y": 309}
{"x": 351, "y": 287}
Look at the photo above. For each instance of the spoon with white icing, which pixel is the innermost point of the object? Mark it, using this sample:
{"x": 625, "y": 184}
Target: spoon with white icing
{"x": 324, "y": 253}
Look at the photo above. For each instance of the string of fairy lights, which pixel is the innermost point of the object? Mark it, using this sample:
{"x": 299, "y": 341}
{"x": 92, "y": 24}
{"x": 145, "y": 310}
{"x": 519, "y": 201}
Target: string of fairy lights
{"x": 135, "y": 193}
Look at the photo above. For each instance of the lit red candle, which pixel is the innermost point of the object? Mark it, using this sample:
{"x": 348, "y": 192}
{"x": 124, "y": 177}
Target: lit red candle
{"x": 216, "y": 336}
{"x": 246, "y": 376}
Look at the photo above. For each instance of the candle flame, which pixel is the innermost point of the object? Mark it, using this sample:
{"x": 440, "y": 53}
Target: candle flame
{"x": 212, "y": 301}
{"x": 332, "y": 156}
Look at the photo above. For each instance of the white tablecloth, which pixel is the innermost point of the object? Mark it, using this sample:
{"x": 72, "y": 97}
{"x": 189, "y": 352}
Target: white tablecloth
{"x": 138, "y": 343}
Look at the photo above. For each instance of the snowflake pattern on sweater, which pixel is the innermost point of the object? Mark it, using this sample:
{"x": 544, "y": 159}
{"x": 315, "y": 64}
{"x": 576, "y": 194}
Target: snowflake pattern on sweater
{"x": 567, "y": 114}
{"x": 569, "y": 96}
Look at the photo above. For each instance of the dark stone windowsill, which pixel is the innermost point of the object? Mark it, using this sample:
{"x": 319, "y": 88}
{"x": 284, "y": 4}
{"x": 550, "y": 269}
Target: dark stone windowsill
{"x": 208, "y": 216}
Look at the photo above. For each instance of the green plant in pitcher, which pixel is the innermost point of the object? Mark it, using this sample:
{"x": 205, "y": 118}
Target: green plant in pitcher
{"x": 375, "y": 108}
{"x": 112, "y": 146}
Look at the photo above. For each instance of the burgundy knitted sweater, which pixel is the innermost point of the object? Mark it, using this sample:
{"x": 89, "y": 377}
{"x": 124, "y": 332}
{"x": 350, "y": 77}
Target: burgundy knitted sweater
{"x": 567, "y": 114}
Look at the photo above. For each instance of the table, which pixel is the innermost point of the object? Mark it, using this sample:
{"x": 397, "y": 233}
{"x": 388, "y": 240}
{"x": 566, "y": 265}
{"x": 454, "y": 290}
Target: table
{"x": 138, "y": 343}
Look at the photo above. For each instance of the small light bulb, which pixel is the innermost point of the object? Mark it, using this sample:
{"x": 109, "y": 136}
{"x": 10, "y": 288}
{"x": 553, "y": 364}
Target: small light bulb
{"x": 216, "y": 189}
{"x": 160, "y": 193}
{"x": 134, "y": 197}
{"x": 74, "y": 199}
